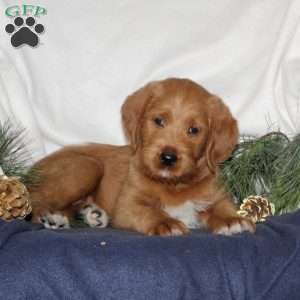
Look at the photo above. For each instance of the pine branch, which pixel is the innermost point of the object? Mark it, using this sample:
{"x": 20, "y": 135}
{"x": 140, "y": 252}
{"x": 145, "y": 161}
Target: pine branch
{"x": 285, "y": 191}
{"x": 14, "y": 158}
{"x": 250, "y": 169}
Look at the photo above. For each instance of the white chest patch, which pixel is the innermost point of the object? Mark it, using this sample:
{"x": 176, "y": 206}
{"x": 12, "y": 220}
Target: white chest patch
{"x": 187, "y": 213}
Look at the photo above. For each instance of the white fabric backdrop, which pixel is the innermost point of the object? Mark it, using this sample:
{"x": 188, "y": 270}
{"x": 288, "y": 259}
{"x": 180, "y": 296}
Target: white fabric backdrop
{"x": 92, "y": 54}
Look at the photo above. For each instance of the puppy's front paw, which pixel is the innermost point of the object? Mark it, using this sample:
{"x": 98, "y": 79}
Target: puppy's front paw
{"x": 94, "y": 216}
{"x": 168, "y": 226}
{"x": 231, "y": 225}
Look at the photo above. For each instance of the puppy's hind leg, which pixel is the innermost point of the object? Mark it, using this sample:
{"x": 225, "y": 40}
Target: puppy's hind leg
{"x": 54, "y": 221}
{"x": 92, "y": 214}
{"x": 66, "y": 177}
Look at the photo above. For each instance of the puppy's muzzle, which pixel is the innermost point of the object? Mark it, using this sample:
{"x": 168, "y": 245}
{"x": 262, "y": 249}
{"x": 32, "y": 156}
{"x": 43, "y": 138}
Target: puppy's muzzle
{"x": 168, "y": 158}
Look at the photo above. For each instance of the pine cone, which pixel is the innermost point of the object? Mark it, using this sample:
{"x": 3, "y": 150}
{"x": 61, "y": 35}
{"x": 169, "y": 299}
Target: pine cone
{"x": 14, "y": 199}
{"x": 256, "y": 208}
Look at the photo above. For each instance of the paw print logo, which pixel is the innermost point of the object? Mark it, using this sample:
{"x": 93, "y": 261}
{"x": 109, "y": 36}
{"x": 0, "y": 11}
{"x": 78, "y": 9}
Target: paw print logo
{"x": 24, "y": 33}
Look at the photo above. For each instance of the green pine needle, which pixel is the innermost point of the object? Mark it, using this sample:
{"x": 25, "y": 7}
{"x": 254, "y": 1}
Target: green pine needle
{"x": 285, "y": 191}
{"x": 250, "y": 170}
{"x": 14, "y": 158}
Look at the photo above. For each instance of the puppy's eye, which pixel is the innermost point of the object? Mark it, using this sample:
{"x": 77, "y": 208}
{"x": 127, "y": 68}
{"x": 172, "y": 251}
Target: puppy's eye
{"x": 159, "y": 121}
{"x": 193, "y": 131}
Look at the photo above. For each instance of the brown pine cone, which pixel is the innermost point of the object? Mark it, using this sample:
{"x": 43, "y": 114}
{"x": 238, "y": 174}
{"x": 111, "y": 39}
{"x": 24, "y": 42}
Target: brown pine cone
{"x": 256, "y": 208}
{"x": 14, "y": 199}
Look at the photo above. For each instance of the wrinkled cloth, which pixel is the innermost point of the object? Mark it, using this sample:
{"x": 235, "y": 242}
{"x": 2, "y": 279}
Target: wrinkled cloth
{"x": 86, "y": 263}
{"x": 92, "y": 54}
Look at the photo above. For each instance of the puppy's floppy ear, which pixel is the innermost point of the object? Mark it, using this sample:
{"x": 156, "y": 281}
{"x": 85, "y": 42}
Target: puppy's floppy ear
{"x": 223, "y": 133}
{"x": 133, "y": 110}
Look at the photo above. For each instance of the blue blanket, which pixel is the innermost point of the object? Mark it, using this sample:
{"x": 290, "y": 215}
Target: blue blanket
{"x": 112, "y": 264}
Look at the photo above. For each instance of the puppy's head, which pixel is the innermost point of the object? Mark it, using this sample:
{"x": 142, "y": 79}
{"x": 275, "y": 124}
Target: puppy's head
{"x": 177, "y": 128}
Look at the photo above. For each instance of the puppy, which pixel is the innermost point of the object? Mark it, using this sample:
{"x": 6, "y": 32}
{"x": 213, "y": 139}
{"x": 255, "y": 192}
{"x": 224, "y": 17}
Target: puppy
{"x": 163, "y": 183}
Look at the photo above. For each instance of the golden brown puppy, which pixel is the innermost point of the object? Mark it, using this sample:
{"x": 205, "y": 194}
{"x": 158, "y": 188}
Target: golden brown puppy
{"x": 163, "y": 183}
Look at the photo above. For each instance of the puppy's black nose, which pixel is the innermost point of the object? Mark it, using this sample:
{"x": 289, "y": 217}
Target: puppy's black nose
{"x": 168, "y": 158}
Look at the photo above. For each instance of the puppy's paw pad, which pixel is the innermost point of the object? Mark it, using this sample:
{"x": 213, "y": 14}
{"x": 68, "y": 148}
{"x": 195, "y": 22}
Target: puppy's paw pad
{"x": 54, "y": 221}
{"x": 168, "y": 227}
{"x": 234, "y": 226}
{"x": 94, "y": 216}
